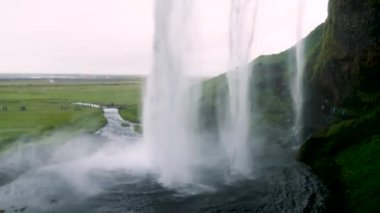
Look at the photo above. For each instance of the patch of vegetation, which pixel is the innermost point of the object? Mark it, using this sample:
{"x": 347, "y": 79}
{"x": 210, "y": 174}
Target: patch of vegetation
{"x": 326, "y": 43}
{"x": 345, "y": 156}
{"x": 30, "y": 109}
{"x": 130, "y": 112}
{"x": 360, "y": 173}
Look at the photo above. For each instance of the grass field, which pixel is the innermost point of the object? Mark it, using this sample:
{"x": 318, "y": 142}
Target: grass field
{"x": 48, "y": 106}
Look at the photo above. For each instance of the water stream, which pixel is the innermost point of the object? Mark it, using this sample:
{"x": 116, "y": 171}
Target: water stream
{"x": 117, "y": 128}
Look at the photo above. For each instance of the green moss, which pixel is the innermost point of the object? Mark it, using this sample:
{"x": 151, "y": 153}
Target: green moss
{"x": 360, "y": 173}
{"x": 338, "y": 127}
{"x": 345, "y": 156}
{"x": 327, "y": 50}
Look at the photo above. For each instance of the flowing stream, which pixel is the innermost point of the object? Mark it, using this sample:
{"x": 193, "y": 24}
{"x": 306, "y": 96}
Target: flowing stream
{"x": 117, "y": 128}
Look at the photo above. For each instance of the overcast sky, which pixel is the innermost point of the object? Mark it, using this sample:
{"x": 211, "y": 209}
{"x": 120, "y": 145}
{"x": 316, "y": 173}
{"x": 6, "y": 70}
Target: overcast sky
{"x": 115, "y": 36}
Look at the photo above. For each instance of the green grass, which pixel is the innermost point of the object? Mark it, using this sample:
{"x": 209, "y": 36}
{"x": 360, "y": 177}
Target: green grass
{"x": 130, "y": 112}
{"x": 345, "y": 156}
{"x": 92, "y": 93}
{"x": 49, "y": 107}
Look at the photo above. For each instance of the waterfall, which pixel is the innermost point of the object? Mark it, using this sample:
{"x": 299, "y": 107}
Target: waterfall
{"x": 297, "y": 82}
{"x": 236, "y": 132}
{"x": 168, "y": 111}
{"x": 176, "y": 147}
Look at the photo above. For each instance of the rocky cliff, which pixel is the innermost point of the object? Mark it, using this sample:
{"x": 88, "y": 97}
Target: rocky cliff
{"x": 342, "y": 106}
{"x": 344, "y": 68}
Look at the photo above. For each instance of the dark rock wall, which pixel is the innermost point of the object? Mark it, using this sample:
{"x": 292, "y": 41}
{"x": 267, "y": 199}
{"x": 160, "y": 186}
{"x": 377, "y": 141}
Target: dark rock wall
{"x": 344, "y": 70}
{"x": 343, "y": 104}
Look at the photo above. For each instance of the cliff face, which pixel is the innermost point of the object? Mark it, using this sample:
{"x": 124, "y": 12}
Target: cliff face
{"x": 269, "y": 86}
{"x": 343, "y": 106}
{"x": 350, "y": 50}
{"x": 344, "y": 69}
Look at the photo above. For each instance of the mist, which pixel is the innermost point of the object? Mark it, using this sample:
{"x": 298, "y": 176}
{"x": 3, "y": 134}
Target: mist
{"x": 53, "y": 171}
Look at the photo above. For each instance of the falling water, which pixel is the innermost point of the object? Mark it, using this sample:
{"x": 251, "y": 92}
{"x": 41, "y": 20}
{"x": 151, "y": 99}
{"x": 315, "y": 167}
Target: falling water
{"x": 297, "y": 84}
{"x": 167, "y": 111}
{"x": 237, "y": 128}
{"x": 169, "y": 107}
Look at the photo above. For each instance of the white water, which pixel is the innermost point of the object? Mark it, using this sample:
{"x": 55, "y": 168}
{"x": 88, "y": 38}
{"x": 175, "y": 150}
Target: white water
{"x": 170, "y": 108}
{"x": 236, "y": 132}
{"x": 87, "y": 105}
{"x": 297, "y": 82}
{"x": 167, "y": 114}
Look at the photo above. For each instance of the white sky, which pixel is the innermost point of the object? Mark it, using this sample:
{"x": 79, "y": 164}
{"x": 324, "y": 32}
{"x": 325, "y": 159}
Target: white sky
{"x": 115, "y": 36}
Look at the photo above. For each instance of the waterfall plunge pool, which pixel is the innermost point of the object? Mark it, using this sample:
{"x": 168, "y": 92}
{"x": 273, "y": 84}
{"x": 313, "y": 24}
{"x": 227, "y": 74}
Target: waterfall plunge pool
{"x": 110, "y": 172}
